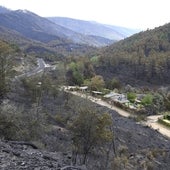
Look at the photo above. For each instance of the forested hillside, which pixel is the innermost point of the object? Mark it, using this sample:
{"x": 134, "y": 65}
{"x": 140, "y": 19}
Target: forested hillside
{"x": 144, "y": 57}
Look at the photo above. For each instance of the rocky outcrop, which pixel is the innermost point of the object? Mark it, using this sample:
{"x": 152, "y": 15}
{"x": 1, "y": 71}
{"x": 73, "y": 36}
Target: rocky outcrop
{"x": 25, "y": 155}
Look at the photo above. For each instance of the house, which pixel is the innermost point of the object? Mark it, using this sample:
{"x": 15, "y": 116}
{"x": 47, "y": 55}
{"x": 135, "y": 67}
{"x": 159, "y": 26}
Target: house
{"x": 71, "y": 88}
{"x": 96, "y": 93}
{"x": 83, "y": 89}
{"x": 111, "y": 94}
{"x": 116, "y": 97}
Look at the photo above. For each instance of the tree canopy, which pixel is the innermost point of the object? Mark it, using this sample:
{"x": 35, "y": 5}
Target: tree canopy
{"x": 90, "y": 130}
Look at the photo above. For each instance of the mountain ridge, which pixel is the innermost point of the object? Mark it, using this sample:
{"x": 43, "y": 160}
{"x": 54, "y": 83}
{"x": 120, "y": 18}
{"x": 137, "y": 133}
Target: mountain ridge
{"x": 41, "y": 29}
{"x": 4, "y": 10}
{"x": 94, "y": 28}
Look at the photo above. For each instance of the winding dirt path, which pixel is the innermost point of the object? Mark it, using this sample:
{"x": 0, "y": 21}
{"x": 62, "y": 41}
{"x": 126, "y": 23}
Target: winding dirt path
{"x": 151, "y": 120}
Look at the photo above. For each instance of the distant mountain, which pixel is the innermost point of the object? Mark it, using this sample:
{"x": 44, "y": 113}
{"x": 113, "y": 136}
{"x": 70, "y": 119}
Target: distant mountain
{"x": 93, "y": 28}
{"x": 23, "y": 36}
{"x": 126, "y": 32}
{"x": 51, "y": 50}
{"x": 41, "y": 29}
{"x": 143, "y": 57}
{"x": 31, "y": 25}
{"x": 4, "y": 10}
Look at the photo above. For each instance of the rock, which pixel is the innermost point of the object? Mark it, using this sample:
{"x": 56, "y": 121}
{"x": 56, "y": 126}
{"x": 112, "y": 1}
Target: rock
{"x": 14, "y": 157}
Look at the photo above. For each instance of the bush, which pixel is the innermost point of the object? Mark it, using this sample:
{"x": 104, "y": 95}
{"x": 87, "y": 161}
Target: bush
{"x": 147, "y": 100}
{"x": 8, "y": 129}
{"x": 16, "y": 124}
{"x": 131, "y": 97}
{"x": 97, "y": 83}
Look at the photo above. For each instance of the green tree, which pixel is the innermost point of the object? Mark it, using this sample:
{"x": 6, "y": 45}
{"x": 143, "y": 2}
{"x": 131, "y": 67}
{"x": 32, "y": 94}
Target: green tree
{"x": 131, "y": 97}
{"x": 77, "y": 78}
{"x": 74, "y": 75}
{"x": 97, "y": 83}
{"x": 147, "y": 100}
{"x": 90, "y": 130}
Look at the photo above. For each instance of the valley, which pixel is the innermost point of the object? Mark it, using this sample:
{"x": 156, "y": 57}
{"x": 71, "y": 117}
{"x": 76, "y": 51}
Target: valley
{"x": 82, "y": 95}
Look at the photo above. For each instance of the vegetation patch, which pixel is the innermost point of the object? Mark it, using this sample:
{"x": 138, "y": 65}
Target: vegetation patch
{"x": 165, "y": 120}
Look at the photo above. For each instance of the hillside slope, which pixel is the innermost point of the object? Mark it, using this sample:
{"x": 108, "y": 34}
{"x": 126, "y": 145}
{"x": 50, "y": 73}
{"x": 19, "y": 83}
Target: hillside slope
{"x": 144, "y": 57}
{"x": 50, "y": 51}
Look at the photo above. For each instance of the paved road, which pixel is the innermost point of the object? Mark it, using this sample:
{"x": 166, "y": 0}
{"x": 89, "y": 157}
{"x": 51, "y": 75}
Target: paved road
{"x": 150, "y": 122}
{"x": 41, "y": 66}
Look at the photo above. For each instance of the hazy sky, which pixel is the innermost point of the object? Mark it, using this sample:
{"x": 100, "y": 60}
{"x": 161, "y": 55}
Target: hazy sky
{"x": 141, "y": 14}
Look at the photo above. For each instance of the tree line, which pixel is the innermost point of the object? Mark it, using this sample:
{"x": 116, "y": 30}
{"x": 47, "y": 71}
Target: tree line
{"x": 144, "y": 56}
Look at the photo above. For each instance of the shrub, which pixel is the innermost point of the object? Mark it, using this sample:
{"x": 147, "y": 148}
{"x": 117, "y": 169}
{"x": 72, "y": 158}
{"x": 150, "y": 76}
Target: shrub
{"x": 131, "y": 97}
{"x": 147, "y": 100}
{"x": 8, "y": 129}
{"x": 16, "y": 124}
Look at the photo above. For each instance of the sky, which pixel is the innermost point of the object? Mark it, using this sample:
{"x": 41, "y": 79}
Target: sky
{"x": 137, "y": 14}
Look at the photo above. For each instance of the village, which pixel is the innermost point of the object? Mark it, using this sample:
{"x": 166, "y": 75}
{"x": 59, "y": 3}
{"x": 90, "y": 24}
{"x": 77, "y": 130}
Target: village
{"x": 113, "y": 97}
{"x": 127, "y": 105}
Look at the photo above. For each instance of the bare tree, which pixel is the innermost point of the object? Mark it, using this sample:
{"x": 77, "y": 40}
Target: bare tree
{"x": 5, "y": 55}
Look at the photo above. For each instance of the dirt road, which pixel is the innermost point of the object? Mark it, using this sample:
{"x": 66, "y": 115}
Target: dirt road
{"x": 41, "y": 66}
{"x": 151, "y": 120}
